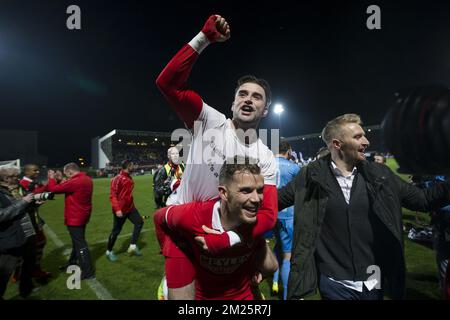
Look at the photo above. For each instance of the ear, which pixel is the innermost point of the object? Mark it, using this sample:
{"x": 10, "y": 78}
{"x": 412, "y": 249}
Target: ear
{"x": 336, "y": 144}
{"x": 232, "y": 106}
{"x": 223, "y": 193}
{"x": 265, "y": 112}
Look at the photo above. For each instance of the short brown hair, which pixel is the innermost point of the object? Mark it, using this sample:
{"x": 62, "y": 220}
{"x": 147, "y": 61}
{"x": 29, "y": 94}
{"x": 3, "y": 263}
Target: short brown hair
{"x": 284, "y": 147}
{"x": 333, "y": 127}
{"x": 237, "y": 164}
{"x": 261, "y": 82}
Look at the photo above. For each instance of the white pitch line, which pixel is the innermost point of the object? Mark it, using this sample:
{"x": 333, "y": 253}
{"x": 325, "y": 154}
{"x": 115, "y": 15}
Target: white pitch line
{"x": 100, "y": 291}
{"x": 53, "y": 236}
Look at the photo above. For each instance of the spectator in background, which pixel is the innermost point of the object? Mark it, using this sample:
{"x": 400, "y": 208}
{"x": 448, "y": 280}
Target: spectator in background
{"x": 168, "y": 178}
{"x": 121, "y": 197}
{"x": 379, "y": 158}
{"x": 440, "y": 220}
{"x": 16, "y": 231}
{"x": 30, "y": 184}
{"x": 284, "y": 229}
{"x": 77, "y": 210}
{"x": 348, "y": 219}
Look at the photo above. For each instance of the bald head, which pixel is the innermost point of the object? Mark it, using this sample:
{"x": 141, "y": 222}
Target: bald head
{"x": 70, "y": 169}
{"x": 173, "y": 155}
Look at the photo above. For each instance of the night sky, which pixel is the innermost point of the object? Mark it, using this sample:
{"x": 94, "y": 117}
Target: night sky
{"x": 319, "y": 57}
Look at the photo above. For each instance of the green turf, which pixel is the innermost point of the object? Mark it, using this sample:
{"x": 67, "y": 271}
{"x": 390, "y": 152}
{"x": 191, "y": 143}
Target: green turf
{"x": 139, "y": 277}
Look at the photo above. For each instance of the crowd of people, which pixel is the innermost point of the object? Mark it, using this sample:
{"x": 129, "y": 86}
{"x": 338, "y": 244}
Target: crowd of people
{"x": 148, "y": 156}
{"x": 337, "y": 220}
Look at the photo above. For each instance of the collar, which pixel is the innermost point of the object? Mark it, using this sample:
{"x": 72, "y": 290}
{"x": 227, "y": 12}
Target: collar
{"x": 216, "y": 224}
{"x": 173, "y": 165}
{"x": 124, "y": 173}
{"x": 230, "y": 126}
{"x": 77, "y": 174}
{"x": 27, "y": 179}
{"x": 338, "y": 171}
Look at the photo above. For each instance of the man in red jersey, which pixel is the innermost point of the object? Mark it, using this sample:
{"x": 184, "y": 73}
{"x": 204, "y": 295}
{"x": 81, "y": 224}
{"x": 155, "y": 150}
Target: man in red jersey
{"x": 121, "y": 197}
{"x": 227, "y": 275}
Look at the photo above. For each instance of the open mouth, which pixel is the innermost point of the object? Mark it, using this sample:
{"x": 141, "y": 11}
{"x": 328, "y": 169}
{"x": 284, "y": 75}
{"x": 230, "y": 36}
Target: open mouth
{"x": 247, "y": 109}
{"x": 251, "y": 211}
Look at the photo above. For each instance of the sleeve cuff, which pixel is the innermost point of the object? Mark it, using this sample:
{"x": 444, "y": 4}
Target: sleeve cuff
{"x": 200, "y": 42}
{"x": 234, "y": 238}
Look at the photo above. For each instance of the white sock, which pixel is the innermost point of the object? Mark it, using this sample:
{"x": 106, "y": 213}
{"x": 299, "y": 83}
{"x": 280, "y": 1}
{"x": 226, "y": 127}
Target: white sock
{"x": 165, "y": 289}
{"x": 108, "y": 252}
{"x": 132, "y": 246}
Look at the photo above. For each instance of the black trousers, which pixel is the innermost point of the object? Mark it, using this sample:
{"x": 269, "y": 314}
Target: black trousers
{"x": 118, "y": 223}
{"x": 330, "y": 290}
{"x": 28, "y": 266}
{"x": 8, "y": 262}
{"x": 80, "y": 252}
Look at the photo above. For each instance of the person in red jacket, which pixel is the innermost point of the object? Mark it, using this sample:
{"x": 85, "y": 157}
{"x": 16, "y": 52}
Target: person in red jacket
{"x": 77, "y": 210}
{"x": 121, "y": 197}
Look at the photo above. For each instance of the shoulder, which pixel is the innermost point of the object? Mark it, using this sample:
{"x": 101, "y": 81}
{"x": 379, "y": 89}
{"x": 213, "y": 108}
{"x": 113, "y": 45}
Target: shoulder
{"x": 378, "y": 169}
{"x": 266, "y": 156}
{"x": 24, "y": 183}
{"x": 268, "y": 166}
{"x": 209, "y": 113}
{"x": 194, "y": 214}
{"x": 203, "y": 210}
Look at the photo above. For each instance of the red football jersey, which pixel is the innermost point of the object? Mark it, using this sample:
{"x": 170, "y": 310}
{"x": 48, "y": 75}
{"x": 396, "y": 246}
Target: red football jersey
{"x": 226, "y": 276}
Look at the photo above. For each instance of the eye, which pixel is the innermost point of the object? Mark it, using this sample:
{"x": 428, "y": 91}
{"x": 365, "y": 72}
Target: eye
{"x": 246, "y": 190}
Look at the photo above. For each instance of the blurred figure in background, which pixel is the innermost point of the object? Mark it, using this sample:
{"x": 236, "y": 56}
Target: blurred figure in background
{"x": 121, "y": 197}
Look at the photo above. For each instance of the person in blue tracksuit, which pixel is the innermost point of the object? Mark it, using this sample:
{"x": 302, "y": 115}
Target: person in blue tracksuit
{"x": 286, "y": 171}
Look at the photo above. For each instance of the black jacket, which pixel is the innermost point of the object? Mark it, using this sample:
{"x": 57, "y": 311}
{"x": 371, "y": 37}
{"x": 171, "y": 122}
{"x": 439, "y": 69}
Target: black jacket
{"x": 12, "y": 211}
{"x": 387, "y": 192}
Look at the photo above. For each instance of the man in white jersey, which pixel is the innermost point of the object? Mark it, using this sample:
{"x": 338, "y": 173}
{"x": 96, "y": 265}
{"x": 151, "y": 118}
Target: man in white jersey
{"x": 215, "y": 138}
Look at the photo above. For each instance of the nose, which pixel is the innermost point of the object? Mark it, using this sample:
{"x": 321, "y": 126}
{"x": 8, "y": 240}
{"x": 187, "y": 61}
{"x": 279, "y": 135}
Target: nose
{"x": 255, "y": 197}
{"x": 365, "y": 142}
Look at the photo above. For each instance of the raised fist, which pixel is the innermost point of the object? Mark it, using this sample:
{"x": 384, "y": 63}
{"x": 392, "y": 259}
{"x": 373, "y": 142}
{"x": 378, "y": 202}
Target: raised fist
{"x": 216, "y": 29}
{"x": 58, "y": 176}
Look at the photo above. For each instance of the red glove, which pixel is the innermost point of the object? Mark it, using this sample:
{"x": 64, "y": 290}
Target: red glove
{"x": 216, "y": 29}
